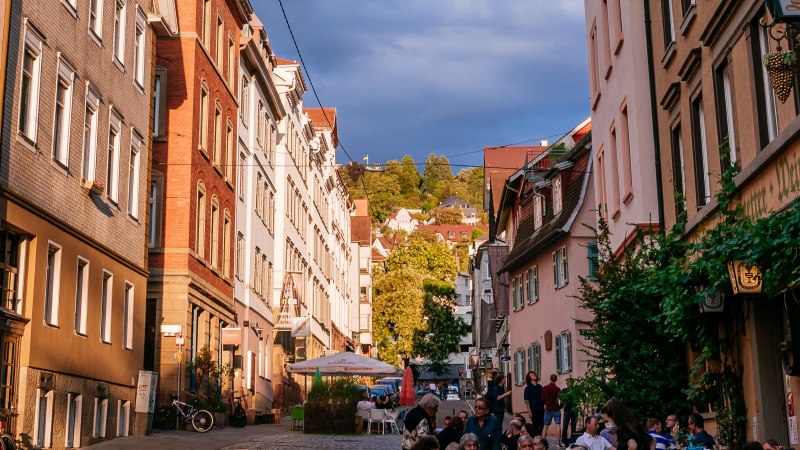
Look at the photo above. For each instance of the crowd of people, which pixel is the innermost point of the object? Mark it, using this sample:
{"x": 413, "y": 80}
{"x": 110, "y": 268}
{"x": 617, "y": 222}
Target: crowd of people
{"x": 614, "y": 427}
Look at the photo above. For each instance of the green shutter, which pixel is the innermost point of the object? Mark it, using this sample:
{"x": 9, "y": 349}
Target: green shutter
{"x": 555, "y": 269}
{"x": 566, "y": 267}
{"x": 568, "y": 350}
{"x": 559, "y": 369}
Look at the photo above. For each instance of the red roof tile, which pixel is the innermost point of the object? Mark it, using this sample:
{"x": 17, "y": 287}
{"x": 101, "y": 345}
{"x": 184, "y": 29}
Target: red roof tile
{"x": 361, "y": 230}
{"x": 324, "y": 119}
{"x": 286, "y": 62}
{"x": 444, "y": 229}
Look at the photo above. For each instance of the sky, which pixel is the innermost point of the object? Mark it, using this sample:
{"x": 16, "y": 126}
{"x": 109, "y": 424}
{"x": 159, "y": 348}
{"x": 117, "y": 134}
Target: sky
{"x": 438, "y": 76}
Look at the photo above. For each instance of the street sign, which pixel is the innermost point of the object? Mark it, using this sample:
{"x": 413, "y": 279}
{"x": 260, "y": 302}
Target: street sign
{"x": 179, "y": 341}
{"x": 301, "y": 326}
{"x": 505, "y": 358}
{"x": 474, "y": 358}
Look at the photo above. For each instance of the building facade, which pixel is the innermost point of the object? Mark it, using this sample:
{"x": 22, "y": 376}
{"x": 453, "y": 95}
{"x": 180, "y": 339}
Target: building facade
{"x": 74, "y": 178}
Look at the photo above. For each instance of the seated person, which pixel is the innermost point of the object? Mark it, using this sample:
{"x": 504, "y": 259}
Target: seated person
{"x": 383, "y": 403}
{"x": 365, "y": 402}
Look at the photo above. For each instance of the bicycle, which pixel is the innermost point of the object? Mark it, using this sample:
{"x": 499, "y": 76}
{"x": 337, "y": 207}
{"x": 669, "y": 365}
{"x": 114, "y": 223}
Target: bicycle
{"x": 239, "y": 417}
{"x": 7, "y": 442}
{"x": 201, "y": 420}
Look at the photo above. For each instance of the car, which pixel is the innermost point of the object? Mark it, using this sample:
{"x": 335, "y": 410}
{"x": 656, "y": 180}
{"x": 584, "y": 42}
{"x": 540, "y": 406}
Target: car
{"x": 379, "y": 391}
{"x": 396, "y": 381}
{"x": 393, "y": 395}
{"x": 451, "y": 393}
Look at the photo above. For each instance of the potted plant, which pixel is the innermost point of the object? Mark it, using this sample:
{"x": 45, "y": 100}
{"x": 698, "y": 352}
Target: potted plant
{"x": 331, "y": 406}
{"x": 780, "y": 67}
{"x": 97, "y": 187}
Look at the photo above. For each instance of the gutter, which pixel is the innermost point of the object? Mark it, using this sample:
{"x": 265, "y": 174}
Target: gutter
{"x": 654, "y": 114}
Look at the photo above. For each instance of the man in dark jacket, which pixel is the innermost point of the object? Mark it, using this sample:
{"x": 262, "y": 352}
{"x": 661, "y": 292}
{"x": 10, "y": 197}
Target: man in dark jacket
{"x": 495, "y": 396}
{"x": 485, "y": 425}
{"x": 534, "y": 403}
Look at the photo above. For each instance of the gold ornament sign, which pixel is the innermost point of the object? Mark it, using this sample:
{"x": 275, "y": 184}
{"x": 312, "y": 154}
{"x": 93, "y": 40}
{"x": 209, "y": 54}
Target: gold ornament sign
{"x": 745, "y": 278}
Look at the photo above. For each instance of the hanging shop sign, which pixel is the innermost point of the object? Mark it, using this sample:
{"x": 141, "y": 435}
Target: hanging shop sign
{"x": 745, "y": 278}
{"x": 784, "y": 10}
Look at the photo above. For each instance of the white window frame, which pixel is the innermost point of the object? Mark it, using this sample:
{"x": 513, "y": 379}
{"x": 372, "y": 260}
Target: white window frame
{"x": 52, "y": 285}
{"x": 204, "y": 104}
{"x": 123, "y": 417}
{"x": 43, "y": 426}
{"x": 727, "y": 89}
{"x": 701, "y": 123}
{"x": 769, "y": 95}
{"x": 134, "y": 170}
{"x": 89, "y": 150}
{"x": 533, "y": 285}
{"x": 557, "y": 195}
{"x": 200, "y": 221}
{"x": 152, "y": 231}
{"x": 213, "y": 254}
{"x": 519, "y": 367}
{"x": 81, "y": 295}
{"x": 538, "y": 211}
{"x": 139, "y": 41}
{"x": 127, "y": 316}
{"x": 62, "y": 124}
{"x": 560, "y": 267}
{"x": 112, "y": 163}
{"x": 72, "y": 435}
{"x": 564, "y": 352}
{"x": 120, "y": 13}
{"x": 100, "y": 417}
{"x": 33, "y": 47}
{"x": 97, "y": 13}
{"x": 240, "y": 256}
{"x": 106, "y": 304}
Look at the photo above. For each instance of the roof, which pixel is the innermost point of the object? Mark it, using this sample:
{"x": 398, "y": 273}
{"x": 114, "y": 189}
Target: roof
{"x": 376, "y": 256}
{"x": 453, "y": 200}
{"x": 386, "y": 243}
{"x": 362, "y": 206}
{"x": 500, "y": 162}
{"x": 324, "y": 119}
{"x": 286, "y": 62}
{"x": 361, "y": 230}
{"x": 574, "y": 181}
{"x": 443, "y": 229}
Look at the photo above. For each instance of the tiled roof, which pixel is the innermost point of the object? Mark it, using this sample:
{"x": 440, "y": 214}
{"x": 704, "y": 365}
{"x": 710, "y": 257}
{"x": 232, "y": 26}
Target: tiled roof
{"x": 286, "y": 62}
{"x": 324, "y": 119}
{"x": 574, "y": 182}
{"x": 361, "y": 230}
{"x": 455, "y": 228}
{"x": 500, "y": 162}
{"x": 377, "y": 257}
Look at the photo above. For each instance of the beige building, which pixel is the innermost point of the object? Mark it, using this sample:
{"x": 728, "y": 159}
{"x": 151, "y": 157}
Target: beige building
{"x": 73, "y": 190}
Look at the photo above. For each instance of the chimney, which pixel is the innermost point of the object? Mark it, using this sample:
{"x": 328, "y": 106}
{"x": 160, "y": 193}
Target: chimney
{"x": 543, "y": 143}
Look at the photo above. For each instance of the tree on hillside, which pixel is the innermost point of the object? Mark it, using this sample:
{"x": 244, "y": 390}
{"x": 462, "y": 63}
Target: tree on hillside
{"x": 437, "y": 177}
{"x": 409, "y": 177}
{"x": 468, "y": 186}
{"x": 447, "y": 216}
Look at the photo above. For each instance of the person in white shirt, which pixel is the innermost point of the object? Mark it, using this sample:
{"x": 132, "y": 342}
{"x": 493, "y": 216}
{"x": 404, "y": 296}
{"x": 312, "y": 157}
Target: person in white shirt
{"x": 590, "y": 439}
{"x": 365, "y": 402}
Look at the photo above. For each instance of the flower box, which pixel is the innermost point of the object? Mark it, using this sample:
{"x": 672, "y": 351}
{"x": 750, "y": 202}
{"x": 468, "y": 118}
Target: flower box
{"x": 97, "y": 187}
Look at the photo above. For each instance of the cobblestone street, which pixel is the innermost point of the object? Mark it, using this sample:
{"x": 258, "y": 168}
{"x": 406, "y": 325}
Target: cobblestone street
{"x": 301, "y": 441}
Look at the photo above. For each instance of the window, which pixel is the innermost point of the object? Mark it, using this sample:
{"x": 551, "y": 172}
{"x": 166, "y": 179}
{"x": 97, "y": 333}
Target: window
{"x": 29, "y": 83}
{"x": 127, "y": 317}
{"x": 257, "y": 271}
{"x": 133, "y": 175}
{"x": 120, "y": 7}
{"x": 702, "y": 180}
{"x": 52, "y": 284}
{"x": 725, "y": 113}
{"x": 240, "y": 182}
{"x": 74, "y": 413}
{"x": 226, "y": 244}
{"x": 614, "y": 171}
{"x": 203, "y": 117}
{"x": 89, "y": 159}
{"x": 244, "y": 100}
{"x": 214, "y": 252}
{"x": 686, "y": 4}
{"x": 594, "y": 262}
{"x": 594, "y": 68}
{"x": 557, "y": 195}
{"x": 517, "y": 292}
{"x": 218, "y": 136}
{"x": 271, "y": 212}
{"x": 229, "y": 151}
{"x": 259, "y": 203}
{"x": 678, "y": 179}
{"x": 139, "y": 49}
{"x": 669, "y": 22}
{"x": 535, "y": 358}
{"x": 123, "y": 417}
{"x": 231, "y": 61}
{"x": 533, "y": 285}
{"x": 100, "y": 412}
{"x": 239, "y": 256}
{"x": 519, "y": 367}
{"x": 206, "y": 18}
{"x": 62, "y": 115}
{"x": 560, "y": 273}
{"x": 604, "y": 19}
{"x": 112, "y": 162}
{"x": 601, "y": 183}
{"x": 625, "y": 150}
{"x": 200, "y": 222}
{"x": 43, "y": 433}
{"x": 564, "y": 352}
{"x": 159, "y": 102}
{"x": 220, "y": 44}
{"x": 96, "y": 18}
{"x": 765, "y": 98}
{"x": 154, "y": 219}
{"x": 105, "y": 307}
{"x": 617, "y": 12}
{"x": 81, "y": 296}
{"x": 538, "y": 211}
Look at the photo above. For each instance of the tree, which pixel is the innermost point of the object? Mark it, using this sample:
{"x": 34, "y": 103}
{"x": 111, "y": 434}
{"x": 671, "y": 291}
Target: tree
{"x": 437, "y": 178}
{"x": 409, "y": 177}
{"x": 445, "y": 216}
{"x": 397, "y": 311}
{"x": 444, "y": 329}
{"x": 433, "y": 259}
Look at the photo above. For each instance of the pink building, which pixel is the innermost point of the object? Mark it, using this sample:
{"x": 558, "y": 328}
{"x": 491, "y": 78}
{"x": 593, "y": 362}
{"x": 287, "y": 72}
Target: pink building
{"x": 623, "y": 147}
{"x": 542, "y": 213}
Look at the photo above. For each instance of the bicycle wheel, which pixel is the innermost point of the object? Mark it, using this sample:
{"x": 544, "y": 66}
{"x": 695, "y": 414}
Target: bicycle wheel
{"x": 202, "y": 420}
{"x": 239, "y": 417}
{"x": 7, "y": 442}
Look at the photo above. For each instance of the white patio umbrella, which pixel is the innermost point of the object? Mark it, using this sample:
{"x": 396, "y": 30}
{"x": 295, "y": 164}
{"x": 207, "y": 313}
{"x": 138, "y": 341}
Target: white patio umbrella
{"x": 345, "y": 364}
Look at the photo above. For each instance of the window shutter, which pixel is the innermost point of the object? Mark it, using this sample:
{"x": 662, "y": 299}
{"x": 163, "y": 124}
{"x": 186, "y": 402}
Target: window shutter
{"x": 568, "y": 351}
{"x": 536, "y": 283}
{"x": 594, "y": 265}
{"x": 538, "y": 365}
{"x": 555, "y": 269}
{"x": 559, "y": 368}
{"x": 566, "y": 268}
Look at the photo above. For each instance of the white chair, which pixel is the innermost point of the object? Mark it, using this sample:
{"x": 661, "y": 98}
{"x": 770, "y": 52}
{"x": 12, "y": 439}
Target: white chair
{"x": 391, "y": 420}
{"x": 377, "y": 416}
{"x": 364, "y": 414}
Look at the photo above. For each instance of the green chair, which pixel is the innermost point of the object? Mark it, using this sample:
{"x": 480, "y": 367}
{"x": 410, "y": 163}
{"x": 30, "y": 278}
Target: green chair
{"x": 298, "y": 416}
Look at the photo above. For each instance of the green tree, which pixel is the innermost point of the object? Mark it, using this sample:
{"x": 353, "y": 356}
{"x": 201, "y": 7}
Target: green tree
{"x": 443, "y": 328}
{"x": 437, "y": 178}
{"x": 445, "y": 216}
{"x": 433, "y": 259}
{"x": 409, "y": 177}
{"x": 397, "y": 311}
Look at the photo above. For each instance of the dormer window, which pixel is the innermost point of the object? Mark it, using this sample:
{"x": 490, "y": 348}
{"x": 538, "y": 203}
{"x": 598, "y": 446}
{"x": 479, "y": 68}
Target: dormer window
{"x": 557, "y": 202}
{"x": 538, "y": 212}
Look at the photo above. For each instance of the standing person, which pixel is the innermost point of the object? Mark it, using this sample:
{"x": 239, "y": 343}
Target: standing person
{"x": 533, "y": 401}
{"x": 419, "y": 420}
{"x": 568, "y": 416}
{"x": 452, "y": 432}
{"x": 495, "y": 396}
{"x": 552, "y": 408}
{"x": 630, "y": 434}
{"x": 698, "y": 431}
{"x": 485, "y": 425}
{"x": 590, "y": 437}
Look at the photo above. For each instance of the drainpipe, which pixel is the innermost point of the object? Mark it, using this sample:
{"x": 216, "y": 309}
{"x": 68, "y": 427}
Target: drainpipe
{"x": 654, "y": 114}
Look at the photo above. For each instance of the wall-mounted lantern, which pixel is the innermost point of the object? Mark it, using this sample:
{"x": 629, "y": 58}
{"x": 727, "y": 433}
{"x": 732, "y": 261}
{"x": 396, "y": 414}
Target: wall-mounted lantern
{"x": 745, "y": 278}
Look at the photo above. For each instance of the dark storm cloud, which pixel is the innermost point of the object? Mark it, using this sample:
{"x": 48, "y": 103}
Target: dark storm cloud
{"x": 444, "y": 76}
